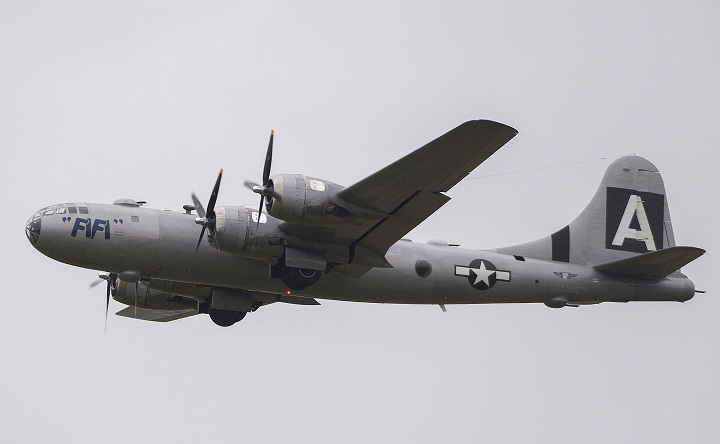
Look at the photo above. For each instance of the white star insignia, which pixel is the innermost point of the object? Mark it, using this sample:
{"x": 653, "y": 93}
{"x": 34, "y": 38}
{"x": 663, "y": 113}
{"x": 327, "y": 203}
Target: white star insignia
{"x": 482, "y": 274}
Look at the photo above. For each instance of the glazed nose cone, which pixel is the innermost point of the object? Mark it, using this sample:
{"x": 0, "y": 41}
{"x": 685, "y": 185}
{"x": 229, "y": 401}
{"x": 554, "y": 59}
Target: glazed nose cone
{"x": 32, "y": 228}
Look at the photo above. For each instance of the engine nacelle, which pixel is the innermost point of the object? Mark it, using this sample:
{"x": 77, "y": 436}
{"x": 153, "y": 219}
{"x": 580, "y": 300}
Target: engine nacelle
{"x": 151, "y": 298}
{"x": 312, "y": 201}
{"x": 237, "y": 231}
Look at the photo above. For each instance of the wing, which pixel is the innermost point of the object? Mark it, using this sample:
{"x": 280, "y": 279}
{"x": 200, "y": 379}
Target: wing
{"x": 409, "y": 190}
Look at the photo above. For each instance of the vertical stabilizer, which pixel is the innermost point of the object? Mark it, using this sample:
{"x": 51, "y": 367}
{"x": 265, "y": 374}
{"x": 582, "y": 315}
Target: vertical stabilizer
{"x": 628, "y": 215}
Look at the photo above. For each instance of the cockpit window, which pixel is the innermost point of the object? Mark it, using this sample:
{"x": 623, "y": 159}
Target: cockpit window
{"x": 72, "y": 210}
{"x": 83, "y": 210}
{"x": 61, "y": 210}
{"x": 48, "y": 212}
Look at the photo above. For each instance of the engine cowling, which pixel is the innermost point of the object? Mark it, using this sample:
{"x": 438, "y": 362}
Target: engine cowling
{"x": 237, "y": 231}
{"x": 151, "y": 298}
{"x": 312, "y": 201}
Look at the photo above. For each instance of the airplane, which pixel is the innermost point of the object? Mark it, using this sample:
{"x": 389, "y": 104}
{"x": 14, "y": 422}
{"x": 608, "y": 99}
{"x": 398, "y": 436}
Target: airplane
{"x": 320, "y": 240}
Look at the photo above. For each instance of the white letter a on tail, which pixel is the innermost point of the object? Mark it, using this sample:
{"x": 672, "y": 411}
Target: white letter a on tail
{"x": 635, "y": 208}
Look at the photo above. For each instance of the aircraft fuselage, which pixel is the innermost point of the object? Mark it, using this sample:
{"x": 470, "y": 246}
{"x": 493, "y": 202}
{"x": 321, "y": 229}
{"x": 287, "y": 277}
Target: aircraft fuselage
{"x": 159, "y": 245}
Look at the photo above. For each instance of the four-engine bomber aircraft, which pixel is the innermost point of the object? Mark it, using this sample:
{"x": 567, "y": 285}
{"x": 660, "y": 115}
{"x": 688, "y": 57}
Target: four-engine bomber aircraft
{"x": 321, "y": 240}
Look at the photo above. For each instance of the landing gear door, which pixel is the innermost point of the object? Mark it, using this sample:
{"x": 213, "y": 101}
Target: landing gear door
{"x": 303, "y": 259}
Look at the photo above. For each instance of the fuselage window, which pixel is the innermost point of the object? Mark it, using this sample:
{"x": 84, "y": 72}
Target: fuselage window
{"x": 423, "y": 268}
{"x": 83, "y": 210}
{"x": 135, "y": 218}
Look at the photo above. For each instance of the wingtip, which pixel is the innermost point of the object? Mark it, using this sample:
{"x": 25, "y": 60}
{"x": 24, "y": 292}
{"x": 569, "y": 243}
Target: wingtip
{"x": 493, "y": 123}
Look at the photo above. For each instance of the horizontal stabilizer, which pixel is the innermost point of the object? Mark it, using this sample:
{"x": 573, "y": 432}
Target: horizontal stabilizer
{"x": 297, "y": 300}
{"x": 653, "y": 265}
{"x": 145, "y": 314}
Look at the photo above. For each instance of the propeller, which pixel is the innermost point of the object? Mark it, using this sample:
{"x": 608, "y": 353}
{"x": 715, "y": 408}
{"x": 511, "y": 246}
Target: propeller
{"x": 109, "y": 277}
{"x": 207, "y": 218}
{"x": 132, "y": 276}
{"x": 266, "y": 190}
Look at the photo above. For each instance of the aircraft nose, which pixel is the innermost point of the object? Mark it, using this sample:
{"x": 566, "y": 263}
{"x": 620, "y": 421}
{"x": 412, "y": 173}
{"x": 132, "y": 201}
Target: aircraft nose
{"x": 32, "y": 228}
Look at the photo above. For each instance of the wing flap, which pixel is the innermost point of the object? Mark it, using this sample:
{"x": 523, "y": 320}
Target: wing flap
{"x": 408, "y": 216}
{"x": 145, "y": 314}
{"x": 354, "y": 270}
{"x": 297, "y": 300}
{"x": 271, "y": 298}
{"x": 653, "y": 265}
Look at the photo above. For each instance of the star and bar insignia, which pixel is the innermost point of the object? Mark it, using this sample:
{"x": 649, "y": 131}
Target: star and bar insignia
{"x": 482, "y": 274}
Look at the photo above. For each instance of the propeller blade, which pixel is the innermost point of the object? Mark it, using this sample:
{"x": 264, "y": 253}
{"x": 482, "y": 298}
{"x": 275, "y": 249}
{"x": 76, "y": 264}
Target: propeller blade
{"x": 108, "y": 277}
{"x": 136, "y": 292}
{"x": 202, "y": 234}
{"x": 274, "y": 194}
{"x": 266, "y": 177}
{"x": 198, "y": 206}
{"x": 264, "y": 190}
{"x": 260, "y": 208}
{"x": 206, "y": 218}
{"x": 107, "y": 305}
{"x": 249, "y": 184}
{"x": 213, "y": 197}
{"x": 102, "y": 276}
{"x": 268, "y": 159}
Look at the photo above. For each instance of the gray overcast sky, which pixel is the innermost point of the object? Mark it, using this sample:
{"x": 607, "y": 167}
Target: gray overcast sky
{"x": 102, "y": 100}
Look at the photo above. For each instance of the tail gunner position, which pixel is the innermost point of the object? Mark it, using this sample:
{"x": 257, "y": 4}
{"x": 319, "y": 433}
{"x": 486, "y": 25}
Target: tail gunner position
{"x": 320, "y": 240}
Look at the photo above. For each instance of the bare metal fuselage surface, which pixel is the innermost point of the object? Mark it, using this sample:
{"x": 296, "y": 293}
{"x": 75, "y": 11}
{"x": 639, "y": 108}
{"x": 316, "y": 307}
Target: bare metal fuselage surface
{"x": 160, "y": 245}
